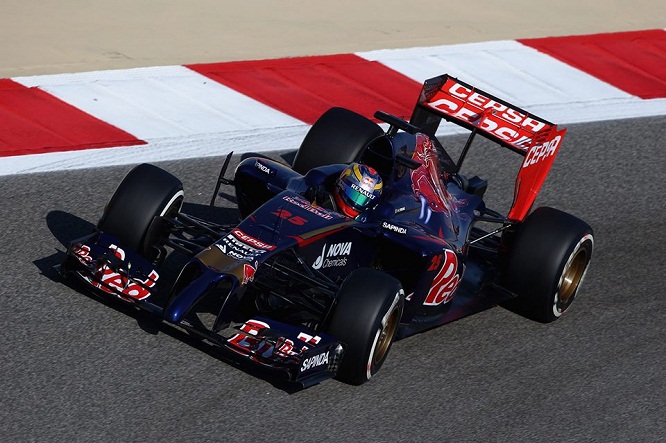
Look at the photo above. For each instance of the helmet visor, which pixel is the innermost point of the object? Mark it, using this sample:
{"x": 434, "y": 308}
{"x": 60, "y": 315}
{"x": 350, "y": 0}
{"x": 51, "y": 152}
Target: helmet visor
{"x": 357, "y": 198}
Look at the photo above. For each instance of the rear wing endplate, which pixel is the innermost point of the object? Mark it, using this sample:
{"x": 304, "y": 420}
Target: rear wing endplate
{"x": 537, "y": 139}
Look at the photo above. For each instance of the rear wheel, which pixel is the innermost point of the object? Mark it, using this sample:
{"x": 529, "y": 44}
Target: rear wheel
{"x": 338, "y": 136}
{"x": 546, "y": 264}
{"x": 145, "y": 193}
{"x": 365, "y": 318}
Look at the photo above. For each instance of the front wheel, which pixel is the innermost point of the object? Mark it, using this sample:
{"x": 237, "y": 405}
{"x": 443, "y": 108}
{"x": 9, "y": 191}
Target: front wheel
{"x": 547, "y": 261}
{"x": 365, "y": 318}
{"x": 146, "y": 192}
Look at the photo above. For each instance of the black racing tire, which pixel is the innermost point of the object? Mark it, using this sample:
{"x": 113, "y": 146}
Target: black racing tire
{"x": 145, "y": 193}
{"x": 338, "y": 136}
{"x": 547, "y": 261}
{"x": 365, "y": 318}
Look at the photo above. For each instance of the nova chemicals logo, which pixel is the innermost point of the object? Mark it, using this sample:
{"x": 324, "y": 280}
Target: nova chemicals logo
{"x": 333, "y": 257}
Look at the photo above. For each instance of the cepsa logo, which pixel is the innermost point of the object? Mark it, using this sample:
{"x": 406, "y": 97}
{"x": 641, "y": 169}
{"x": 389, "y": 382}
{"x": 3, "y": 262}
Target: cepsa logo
{"x": 541, "y": 152}
{"x": 248, "y": 239}
{"x": 499, "y": 119}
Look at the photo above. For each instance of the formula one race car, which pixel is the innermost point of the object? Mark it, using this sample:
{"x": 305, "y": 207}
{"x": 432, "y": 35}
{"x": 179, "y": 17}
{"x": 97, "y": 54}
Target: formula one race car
{"x": 368, "y": 237}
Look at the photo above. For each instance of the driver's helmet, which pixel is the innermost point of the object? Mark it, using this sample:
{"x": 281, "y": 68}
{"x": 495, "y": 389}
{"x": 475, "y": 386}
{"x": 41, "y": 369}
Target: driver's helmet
{"x": 357, "y": 189}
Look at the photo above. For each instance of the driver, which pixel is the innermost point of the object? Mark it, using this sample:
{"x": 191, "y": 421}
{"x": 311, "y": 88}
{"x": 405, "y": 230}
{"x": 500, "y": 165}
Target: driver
{"x": 357, "y": 189}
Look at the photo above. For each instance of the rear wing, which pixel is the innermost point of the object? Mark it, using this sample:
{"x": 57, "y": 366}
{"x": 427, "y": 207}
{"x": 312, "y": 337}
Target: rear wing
{"x": 537, "y": 139}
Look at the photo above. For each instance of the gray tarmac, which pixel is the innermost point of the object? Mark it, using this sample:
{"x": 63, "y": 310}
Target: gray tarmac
{"x": 78, "y": 369}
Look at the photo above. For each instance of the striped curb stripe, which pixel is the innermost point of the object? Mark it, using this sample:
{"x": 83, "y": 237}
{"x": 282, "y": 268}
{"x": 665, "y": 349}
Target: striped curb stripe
{"x": 104, "y": 118}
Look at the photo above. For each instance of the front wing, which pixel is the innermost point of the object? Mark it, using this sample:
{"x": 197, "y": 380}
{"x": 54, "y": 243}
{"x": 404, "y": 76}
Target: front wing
{"x": 304, "y": 357}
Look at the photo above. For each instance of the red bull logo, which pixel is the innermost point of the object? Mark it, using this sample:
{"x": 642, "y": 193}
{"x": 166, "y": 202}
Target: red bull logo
{"x": 248, "y": 272}
{"x": 368, "y": 182}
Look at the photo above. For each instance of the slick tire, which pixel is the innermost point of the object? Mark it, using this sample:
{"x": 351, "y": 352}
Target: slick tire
{"x": 365, "y": 319}
{"x": 548, "y": 259}
{"x": 338, "y": 136}
{"x": 145, "y": 193}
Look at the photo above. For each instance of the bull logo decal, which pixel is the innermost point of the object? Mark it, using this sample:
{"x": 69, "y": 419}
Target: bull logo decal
{"x": 248, "y": 272}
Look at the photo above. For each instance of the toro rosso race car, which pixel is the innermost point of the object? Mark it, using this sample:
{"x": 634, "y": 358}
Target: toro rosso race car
{"x": 370, "y": 236}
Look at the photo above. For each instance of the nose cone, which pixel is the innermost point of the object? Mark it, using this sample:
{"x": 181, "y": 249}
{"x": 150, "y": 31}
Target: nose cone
{"x": 183, "y": 301}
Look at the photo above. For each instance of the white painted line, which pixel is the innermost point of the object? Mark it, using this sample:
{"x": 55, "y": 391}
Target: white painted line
{"x": 183, "y": 114}
{"x": 168, "y": 101}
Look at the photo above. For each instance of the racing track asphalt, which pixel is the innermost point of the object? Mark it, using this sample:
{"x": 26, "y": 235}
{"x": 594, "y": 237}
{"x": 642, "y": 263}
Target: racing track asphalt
{"x": 75, "y": 369}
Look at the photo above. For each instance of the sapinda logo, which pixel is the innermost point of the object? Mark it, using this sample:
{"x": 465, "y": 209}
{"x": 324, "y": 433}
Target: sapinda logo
{"x": 315, "y": 361}
{"x": 394, "y": 228}
{"x": 335, "y": 256}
